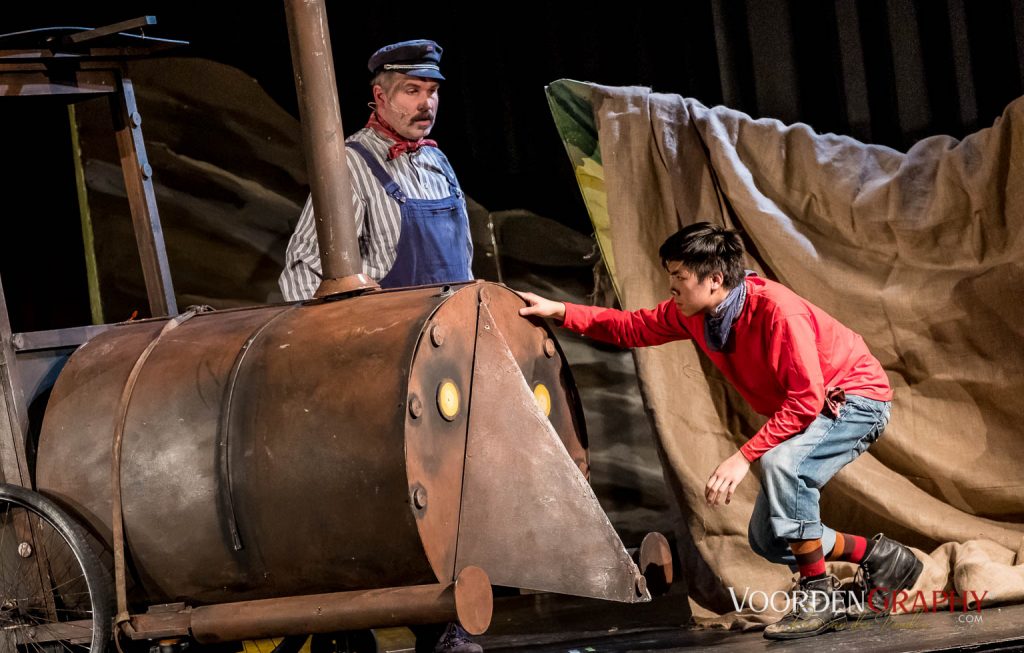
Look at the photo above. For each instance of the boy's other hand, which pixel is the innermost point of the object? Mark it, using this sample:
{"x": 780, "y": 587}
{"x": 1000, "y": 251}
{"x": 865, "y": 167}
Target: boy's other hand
{"x": 541, "y": 307}
{"x": 726, "y": 477}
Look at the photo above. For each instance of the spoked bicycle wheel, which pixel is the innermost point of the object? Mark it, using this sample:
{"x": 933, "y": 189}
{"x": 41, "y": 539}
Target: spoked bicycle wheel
{"x": 55, "y": 596}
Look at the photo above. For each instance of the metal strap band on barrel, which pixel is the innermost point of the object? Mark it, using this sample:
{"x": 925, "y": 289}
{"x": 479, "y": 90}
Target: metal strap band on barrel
{"x": 122, "y": 616}
{"x": 224, "y": 432}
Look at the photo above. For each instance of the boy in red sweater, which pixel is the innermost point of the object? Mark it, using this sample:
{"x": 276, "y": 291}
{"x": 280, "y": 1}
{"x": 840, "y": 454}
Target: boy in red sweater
{"x": 827, "y": 399}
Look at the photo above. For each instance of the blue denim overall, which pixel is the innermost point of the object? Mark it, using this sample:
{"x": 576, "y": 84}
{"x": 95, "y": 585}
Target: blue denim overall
{"x": 432, "y": 246}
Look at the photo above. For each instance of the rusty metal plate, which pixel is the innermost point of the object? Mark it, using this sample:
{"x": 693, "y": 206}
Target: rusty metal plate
{"x": 529, "y": 517}
{"x": 435, "y": 442}
{"x": 541, "y": 361}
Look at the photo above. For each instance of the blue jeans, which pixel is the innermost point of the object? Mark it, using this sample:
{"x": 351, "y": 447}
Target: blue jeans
{"x": 793, "y": 472}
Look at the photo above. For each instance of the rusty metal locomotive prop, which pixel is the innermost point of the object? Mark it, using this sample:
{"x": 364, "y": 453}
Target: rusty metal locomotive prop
{"x": 389, "y": 440}
{"x": 367, "y": 458}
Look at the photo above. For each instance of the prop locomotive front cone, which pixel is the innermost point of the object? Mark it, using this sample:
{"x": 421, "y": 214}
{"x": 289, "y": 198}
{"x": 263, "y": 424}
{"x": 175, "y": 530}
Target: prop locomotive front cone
{"x": 525, "y": 504}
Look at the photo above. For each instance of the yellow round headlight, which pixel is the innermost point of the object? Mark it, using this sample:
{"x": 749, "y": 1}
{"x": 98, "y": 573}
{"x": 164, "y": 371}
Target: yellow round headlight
{"x": 448, "y": 399}
{"x": 543, "y": 398}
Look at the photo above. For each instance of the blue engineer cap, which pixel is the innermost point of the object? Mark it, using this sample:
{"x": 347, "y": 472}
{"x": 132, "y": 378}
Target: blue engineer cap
{"x": 419, "y": 58}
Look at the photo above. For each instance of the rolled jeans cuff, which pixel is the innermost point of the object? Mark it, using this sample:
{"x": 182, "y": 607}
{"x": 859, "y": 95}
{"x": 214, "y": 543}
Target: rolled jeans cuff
{"x": 796, "y": 529}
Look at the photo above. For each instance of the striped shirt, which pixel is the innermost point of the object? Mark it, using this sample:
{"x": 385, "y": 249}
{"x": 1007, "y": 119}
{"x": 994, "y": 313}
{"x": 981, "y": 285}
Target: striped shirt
{"x": 420, "y": 175}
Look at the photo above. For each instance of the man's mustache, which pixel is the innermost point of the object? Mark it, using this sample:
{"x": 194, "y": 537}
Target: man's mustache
{"x": 426, "y": 115}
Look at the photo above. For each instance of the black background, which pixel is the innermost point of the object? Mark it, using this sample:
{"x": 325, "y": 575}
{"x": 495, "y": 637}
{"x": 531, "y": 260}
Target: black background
{"x": 918, "y": 68}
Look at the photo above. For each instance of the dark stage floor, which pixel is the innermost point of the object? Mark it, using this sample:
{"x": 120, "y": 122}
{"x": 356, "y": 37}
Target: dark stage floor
{"x": 560, "y": 624}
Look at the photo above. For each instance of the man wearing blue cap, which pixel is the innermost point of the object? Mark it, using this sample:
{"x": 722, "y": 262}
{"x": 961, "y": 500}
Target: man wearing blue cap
{"x": 411, "y": 215}
{"x": 412, "y": 224}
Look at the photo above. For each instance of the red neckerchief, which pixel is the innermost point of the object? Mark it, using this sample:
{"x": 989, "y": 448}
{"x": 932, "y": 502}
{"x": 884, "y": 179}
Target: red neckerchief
{"x": 402, "y": 144}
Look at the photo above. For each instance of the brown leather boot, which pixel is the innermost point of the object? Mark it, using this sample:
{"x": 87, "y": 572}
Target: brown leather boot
{"x": 818, "y": 607}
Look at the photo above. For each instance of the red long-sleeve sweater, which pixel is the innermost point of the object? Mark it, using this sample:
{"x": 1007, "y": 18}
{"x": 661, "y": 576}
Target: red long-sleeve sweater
{"x": 786, "y": 352}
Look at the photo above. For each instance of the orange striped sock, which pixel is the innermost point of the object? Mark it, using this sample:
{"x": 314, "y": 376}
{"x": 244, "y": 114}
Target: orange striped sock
{"x": 851, "y": 548}
{"x": 809, "y": 557}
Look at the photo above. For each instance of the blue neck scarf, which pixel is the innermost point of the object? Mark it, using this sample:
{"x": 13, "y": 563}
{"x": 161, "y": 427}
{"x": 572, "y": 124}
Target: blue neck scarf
{"x": 718, "y": 323}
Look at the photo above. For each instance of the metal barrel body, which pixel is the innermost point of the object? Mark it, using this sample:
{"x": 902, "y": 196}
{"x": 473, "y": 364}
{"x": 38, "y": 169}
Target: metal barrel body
{"x": 291, "y": 449}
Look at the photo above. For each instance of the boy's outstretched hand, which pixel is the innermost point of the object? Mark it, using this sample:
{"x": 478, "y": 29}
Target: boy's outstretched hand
{"x": 726, "y": 477}
{"x": 541, "y": 307}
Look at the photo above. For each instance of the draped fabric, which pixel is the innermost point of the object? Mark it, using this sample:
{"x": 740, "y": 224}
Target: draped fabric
{"x": 922, "y": 253}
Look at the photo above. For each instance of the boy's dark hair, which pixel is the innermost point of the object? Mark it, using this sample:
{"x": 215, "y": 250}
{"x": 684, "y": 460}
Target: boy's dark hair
{"x": 705, "y": 248}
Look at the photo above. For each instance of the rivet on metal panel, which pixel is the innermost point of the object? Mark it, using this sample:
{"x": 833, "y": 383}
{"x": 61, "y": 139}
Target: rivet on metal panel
{"x": 549, "y": 347}
{"x": 415, "y": 406}
{"x": 419, "y": 497}
{"x": 25, "y": 550}
{"x": 136, "y": 119}
{"x": 437, "y": 335}
{"x": 446, "y": 291}
{"x": 147, "y": 171}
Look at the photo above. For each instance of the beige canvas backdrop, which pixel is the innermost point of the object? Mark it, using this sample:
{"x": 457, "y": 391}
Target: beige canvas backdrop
{"x": 920, "y": 252}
